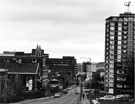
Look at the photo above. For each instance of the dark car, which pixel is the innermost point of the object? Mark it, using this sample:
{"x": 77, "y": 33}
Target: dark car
{"x": 65, "y": 91}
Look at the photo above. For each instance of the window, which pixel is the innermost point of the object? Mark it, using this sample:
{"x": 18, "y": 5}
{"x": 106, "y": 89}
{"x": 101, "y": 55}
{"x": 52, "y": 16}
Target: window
{"x": 111, "y": 42}
{"x": 111, "y": 80}
{"x": 119, "y": 28}
{"x": 111, "y": 61}
{"x": 125, "y": 27}
{"x": 107, "y": 60}
{"x": 120, "y": 19}
{"x": 110, "y": 84}
{"x": 111, "y": 56}
{"x": 119, "y": 37}
{"x": 125, "y": 32}
{"x": 112, "y": 28}
{"x": 120, "y": 72}
{"x": 111, "y": 51}
{"x": 111, "y": 33}
{"x": 111, "y": 70}
{"x": 118, "y": 57}
{"x": 114, "y": 19}
{"x": 124, "y": 46}
{"x": 119, "y": 47}
{"x": 125, "y": 86}
{"x": 125, "y": 23}
{"x": 118, "y": 78}
{"x": 124, "y": 37}
{"x": 124, "y": 51}
{"x": 111, "y": 66}
{"x": 119, "y": 33}
{"x": 125, "y": 19}
{"x": 124, "y": 41}
{"x": 111, "y": 46}
{"x": 118, "y": 60}
{"x": 119, "y": 42}
{"x": 130, "y": 19}
{"x": 119, "y": 86}
{"x": 120, "y": 24}
{"x": 111, "y": 37}
{"x": 112, "y": 23}
{"x": 118, "y": 51}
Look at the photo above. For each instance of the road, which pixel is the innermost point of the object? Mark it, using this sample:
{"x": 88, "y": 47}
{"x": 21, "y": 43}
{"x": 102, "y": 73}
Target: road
{"x": 70, "y": 98}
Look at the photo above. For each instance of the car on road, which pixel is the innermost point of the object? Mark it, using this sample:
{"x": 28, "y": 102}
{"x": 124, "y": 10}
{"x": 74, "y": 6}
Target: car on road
{"x": 57, "y": 95}
{"x": 118, "y": 97}
{"x": 123, "y": 97}
{"x": 95, "y": 102}
{"x": 69, "y": 88}
{"x": 107, "y": 97}
{"x": 65, "y": 91}
{"x": 76, "y": 91}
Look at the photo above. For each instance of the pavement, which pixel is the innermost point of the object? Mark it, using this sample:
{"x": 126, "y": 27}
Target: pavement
{"x": 85, "y": 101}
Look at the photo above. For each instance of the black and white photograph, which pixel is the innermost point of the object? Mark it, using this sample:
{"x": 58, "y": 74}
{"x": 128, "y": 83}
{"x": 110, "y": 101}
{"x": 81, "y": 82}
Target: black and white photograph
{"x": 67, "y": 52}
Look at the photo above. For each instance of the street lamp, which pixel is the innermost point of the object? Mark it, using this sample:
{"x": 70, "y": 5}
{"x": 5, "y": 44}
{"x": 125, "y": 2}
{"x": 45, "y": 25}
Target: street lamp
{"x": 49, "y": 76}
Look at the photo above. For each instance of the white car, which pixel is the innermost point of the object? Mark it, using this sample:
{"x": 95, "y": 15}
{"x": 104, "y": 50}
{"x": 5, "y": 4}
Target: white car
{"x": 57, "y": 95}
{"x": 95, "y": 102}
{"x": 107, "y": 97}
{"x": 118, "y": 97}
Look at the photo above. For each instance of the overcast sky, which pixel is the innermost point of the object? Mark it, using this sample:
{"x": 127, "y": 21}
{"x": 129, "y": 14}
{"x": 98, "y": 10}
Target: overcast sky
{"x": 60, "y": 27}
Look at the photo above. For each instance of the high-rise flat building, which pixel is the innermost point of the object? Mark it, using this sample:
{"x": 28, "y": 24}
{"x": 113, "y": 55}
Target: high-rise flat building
{"x": 119, "y": 53}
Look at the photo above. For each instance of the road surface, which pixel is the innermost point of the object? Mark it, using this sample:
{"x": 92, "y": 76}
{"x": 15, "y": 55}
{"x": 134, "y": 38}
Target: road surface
{"x": 70, "y": 98}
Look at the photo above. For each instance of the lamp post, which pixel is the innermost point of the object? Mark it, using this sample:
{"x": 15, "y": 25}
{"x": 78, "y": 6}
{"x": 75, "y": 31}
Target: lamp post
{"x": 49, "y": 75}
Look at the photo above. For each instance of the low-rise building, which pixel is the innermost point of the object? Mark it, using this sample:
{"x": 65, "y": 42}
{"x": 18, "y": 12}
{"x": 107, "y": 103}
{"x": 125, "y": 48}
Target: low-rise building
{"x": 63, "y": 67}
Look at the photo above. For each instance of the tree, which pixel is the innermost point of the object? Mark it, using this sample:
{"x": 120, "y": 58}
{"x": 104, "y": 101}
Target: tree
{"x": 96, "y": 82}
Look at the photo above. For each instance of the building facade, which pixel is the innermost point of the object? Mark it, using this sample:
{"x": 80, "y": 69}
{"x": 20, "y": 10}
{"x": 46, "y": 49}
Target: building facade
{"x": 64, "y": 67}
{"x": 29, "y": 69}
{"x": 119, "y": 53}
{"x": 101, "y": 68}
{"x": 89, "y": 68}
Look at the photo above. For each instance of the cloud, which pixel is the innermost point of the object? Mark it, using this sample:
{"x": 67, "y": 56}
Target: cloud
{"x": 58, "y": 10}
{"x": 61, "y": 27}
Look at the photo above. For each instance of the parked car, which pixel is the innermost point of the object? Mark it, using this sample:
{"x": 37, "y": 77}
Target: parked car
{"x": 119, "y": 97}
{"x": 57, "y": 95}
{"x": 107, "y": 97}
{"x": 95, "y": 102}
{"x": 69, "y": 88}
{"x": 124, "y": 97}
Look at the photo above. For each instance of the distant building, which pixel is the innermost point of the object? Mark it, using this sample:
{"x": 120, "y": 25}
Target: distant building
{"x": 3, "y": 82}
{"x": 64, "y": 67}
{"x": 101, "y": 68}
{"x": 89, "y": 68}
{"x": 119, "y": 53}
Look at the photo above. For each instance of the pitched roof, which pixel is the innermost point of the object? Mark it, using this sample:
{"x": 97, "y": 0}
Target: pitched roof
{"x": 23, "y": 68}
